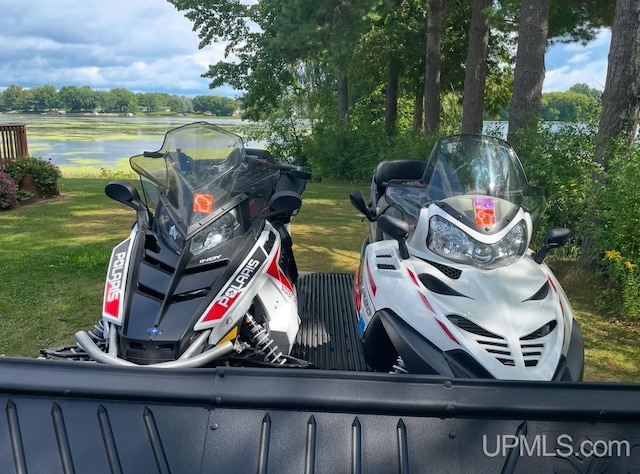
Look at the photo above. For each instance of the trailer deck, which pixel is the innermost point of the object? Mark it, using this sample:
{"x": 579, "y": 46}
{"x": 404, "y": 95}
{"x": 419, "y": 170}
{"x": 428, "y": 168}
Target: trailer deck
{"x": 328, "y": 334}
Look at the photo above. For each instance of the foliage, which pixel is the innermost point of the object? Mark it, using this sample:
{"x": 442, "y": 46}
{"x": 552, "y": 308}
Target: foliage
{"x": 24, "y": 195}
{"x": 45, "y": 174}
{"x": 627, "y": 278}
{"x": 616, "y": 203}
{"x": 8, "y": 191}
{"x": 569, "y": 106}
{"x": 117, "y": 174}
{"x": 215, "y": 105}
{"x": 120, "y": 100}
{"x": 559, "y": 159}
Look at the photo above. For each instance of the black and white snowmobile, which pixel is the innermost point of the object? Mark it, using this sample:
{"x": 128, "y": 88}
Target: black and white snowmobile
{"x": 207, "y": 275}
{"x": 447, "y": 283}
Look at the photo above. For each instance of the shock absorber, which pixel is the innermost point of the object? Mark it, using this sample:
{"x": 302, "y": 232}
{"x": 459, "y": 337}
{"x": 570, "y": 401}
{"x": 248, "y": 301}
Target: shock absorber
{"x": 399, "y": 367}
{"x": 263, "y": 342}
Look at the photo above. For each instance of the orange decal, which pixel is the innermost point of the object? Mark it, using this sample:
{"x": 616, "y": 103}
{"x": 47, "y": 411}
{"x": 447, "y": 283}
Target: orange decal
{"x": 485, "y": 213}
{"x": 202, "y": 203}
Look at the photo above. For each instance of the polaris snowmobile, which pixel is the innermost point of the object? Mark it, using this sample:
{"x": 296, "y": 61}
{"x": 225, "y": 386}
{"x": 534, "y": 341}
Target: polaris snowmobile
{"x": 447, "y": 283}
{"x": 207, "y": 275}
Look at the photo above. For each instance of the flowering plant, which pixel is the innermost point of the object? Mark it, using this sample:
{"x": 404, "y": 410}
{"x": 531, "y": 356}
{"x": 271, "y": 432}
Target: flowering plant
{"x": 8, "y": 191}
{"x": 45, "y": 173}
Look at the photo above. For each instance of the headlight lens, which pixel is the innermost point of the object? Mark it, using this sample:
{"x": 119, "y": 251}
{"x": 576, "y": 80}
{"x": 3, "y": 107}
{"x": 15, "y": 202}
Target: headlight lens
{"x": 449, "y": 241}
{"x": 221, "y": 230}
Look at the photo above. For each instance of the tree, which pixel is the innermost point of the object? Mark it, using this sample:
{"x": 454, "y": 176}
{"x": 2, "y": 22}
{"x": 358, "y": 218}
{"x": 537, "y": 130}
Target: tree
{"x": 14, "y": 97}
{"x": 621, "y": 97}
{"x": 76, "y": 99}
{"x": 529, "y": 71}
{"x": 476, "y": 68}
{"x": 432, "y": 69}
{"x": 584, "y": 89}
{"x": 44, "y": 98}
{"x": 568, "y": 107}
{"x": 124, "y": 100}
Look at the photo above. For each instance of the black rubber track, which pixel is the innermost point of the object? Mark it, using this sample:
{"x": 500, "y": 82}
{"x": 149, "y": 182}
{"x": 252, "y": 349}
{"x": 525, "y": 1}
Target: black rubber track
{"x": 328, "y": 335}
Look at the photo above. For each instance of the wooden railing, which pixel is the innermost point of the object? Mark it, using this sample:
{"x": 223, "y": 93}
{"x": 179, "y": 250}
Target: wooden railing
{"x": 13, "y": 143}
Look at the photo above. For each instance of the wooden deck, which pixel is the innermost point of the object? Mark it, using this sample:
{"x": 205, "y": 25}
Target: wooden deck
{"x": 13, "y": 143}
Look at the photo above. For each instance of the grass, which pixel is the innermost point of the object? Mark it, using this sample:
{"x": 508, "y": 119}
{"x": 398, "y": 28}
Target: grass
{"x": 54, "y": 256}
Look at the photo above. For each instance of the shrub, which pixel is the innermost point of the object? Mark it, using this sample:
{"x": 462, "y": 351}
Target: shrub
{"x": 625, "y": 275}
{"x": 45, "y": 173}
{"x": 24, "y": 195}
{"x": 8, "y": 191}
{"x": 559, "y": 159}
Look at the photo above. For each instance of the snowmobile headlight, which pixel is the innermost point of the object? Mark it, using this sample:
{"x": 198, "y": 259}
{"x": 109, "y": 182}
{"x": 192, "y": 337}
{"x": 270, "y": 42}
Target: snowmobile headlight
{"x": 219, "y": 231}
{"x": 449, "y": 241}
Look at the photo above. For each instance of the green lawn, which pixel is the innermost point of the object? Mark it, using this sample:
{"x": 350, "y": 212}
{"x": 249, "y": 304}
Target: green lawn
{"x": 54, "y": 256}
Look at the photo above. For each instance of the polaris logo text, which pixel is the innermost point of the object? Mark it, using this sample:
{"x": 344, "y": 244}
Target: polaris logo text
{"x": 115, "y": 276}
{"x": 239, "y": 282}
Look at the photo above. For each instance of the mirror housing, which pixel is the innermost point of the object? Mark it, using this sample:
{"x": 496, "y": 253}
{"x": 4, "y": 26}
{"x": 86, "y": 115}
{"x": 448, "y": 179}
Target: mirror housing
{"x": 398, "y": 230}
{"x": 125, "y": 193}
{"x": 553, "y": 239}
{"x": 283, "y": 202}
{"x": 357, "y": 200}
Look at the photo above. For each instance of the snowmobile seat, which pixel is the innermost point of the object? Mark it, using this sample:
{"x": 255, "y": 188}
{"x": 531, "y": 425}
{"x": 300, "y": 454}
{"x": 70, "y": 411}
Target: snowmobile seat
{"x": 387, "y": 171}
{"x": 259, "y": 154}
{"x": 396, "y": 169}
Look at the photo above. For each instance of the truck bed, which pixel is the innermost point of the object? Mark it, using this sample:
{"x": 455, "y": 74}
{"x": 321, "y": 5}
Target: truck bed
{"x": 338, "y": 418}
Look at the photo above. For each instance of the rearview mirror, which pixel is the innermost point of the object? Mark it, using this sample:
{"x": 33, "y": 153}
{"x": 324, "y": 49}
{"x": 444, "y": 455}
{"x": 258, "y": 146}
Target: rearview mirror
{"x": 553, "y": 239}
{"x": 357, "y": 200}
{"x": 125, "y": 193}
{"x": 398, "y": 230}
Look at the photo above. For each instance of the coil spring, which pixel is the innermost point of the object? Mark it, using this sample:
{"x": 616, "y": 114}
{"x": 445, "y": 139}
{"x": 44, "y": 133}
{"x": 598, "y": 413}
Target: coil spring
{"x": 263, "y": 342}
{"x": 399, "y": 367}
{"x": 97, "y": 333}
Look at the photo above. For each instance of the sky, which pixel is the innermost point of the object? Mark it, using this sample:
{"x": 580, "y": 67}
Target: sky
{"x": 149, "y": 46}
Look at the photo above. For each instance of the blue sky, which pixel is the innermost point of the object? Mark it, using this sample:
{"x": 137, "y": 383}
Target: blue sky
{"x": 569, "y": 64}
{"x": 147, "y": 45}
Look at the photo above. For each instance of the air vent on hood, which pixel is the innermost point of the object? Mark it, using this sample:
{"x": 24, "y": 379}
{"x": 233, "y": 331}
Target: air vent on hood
{"x": 451, "y": 272}
{"x": 541, "y": 293}
{"x": 494, "y": 344}
{"x": 386, "y": 266}
{"x": 464, "y": 323}
{"x": 437, "y": 286}
{"x": 542, "y": 331}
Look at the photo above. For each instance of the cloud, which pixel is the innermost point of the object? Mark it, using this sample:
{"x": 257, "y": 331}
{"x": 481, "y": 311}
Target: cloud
{"x": 149, "y": 46}
{"x": 143, "y": 45}
{"x": 580, "y": 58}
{"x": 569, "y": 64}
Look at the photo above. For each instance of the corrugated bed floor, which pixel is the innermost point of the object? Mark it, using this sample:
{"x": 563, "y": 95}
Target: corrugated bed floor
{"x": 328, "y": 334}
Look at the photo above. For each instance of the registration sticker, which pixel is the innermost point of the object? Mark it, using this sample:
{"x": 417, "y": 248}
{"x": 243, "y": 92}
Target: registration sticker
{"x": 484, "y": 210}
{"x": 203, "y": 203}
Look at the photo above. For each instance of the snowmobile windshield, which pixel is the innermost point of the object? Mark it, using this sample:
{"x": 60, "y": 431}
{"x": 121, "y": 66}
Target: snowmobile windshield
{"x": 201, "y": 173}
{"x": 469, "y": 165}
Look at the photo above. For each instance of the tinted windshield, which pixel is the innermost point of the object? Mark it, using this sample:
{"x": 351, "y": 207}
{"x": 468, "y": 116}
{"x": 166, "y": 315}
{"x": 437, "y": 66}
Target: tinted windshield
{"x": 473, "y": 165}
{"x": 200, "y": 169}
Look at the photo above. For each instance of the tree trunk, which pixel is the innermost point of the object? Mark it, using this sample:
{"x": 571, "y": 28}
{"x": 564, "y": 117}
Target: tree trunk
{"x": 343, "y": 99}
{"x": 529, "y": 72}
{"x": 476, "y": 68}
{"x": 620, "y": 100}
{"x": 391, "y": 96}
{"x": 432, "y": 71}
{"x": 418, "y": 109}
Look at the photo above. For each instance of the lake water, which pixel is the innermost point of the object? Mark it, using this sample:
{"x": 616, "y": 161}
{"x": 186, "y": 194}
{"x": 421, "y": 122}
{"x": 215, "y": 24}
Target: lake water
{"x": 87, "y": 143}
